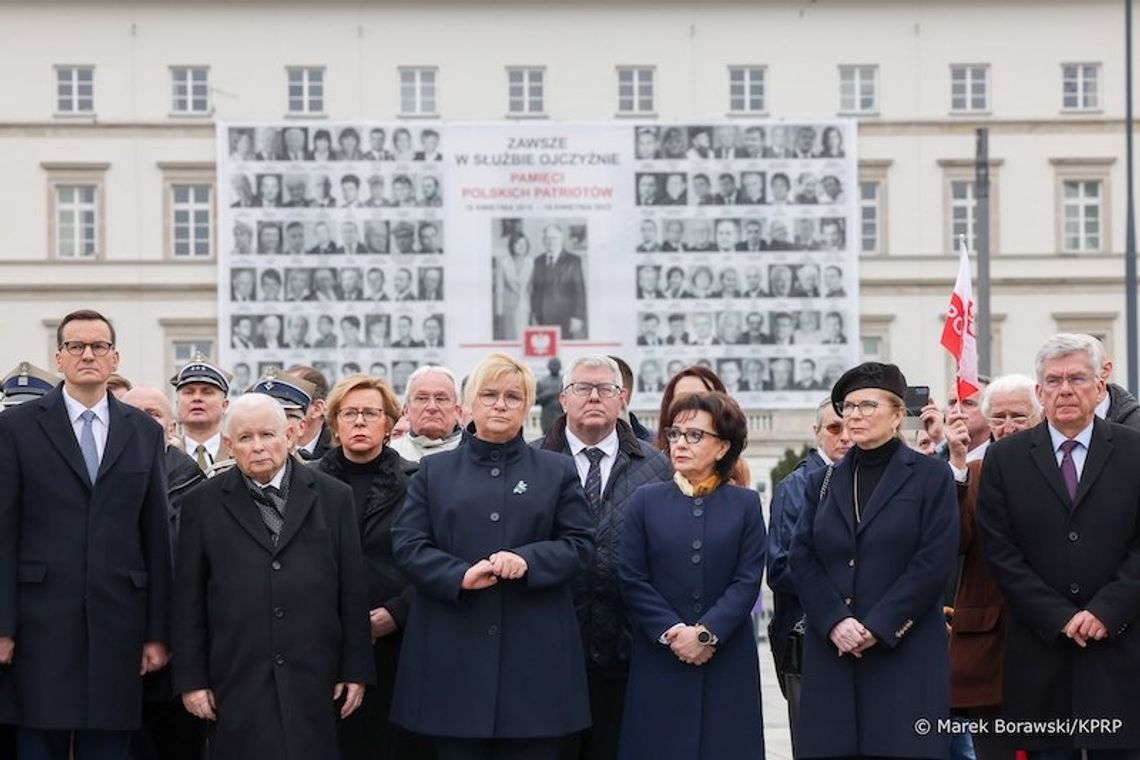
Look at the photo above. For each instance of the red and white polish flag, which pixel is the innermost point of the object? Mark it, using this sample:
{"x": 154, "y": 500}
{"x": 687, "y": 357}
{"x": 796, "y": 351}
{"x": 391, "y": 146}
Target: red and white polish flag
{"x": 958, "y": 336}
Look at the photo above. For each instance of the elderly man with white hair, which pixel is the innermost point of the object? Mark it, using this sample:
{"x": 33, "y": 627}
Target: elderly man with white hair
{"x": 431, "y": 406}
{"x": 271, "y": 608}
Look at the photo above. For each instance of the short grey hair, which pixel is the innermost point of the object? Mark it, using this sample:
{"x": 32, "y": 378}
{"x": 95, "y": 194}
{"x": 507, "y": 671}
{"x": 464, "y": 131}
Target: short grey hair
{"x": 1011, "y": 384}
{"x": 592, "y": 361}
{"x": 253, "y": 402}
{"x": 1063, "y": 344}
{"x": 432, "y": 369}
{"x": 825, "y": 404}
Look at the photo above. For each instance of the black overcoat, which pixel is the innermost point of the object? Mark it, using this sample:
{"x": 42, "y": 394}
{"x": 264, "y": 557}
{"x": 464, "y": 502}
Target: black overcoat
{"x": 84, "y": 570}
{"x": 505, "y": 661}
{"x": 888, "y": 571}
{"x": 1052, "y": 558}
{"x": 271, "y": 629}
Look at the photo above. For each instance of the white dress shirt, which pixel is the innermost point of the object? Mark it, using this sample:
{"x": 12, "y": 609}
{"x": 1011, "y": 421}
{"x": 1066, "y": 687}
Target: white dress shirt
{"x": 100, "y": 426}
{"x": 609, "y": 447}
{"x": 276, "y": 482}
{"x": 212, "y": 444}
{"x": 1080, "y": 452}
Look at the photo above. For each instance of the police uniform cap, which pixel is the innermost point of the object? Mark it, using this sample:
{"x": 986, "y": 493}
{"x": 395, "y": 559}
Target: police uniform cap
{"x": 202, "y": 370}
{"x": 291, "y": 391}
{"x": 24, "y": 383}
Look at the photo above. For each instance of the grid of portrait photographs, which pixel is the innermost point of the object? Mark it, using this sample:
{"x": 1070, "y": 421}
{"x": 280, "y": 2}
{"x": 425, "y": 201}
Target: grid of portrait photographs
{"x": 743, "y": 260}
{"x": 334, "y": 241}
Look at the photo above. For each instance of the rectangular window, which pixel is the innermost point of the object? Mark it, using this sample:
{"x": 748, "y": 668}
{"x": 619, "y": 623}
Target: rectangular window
{"x": 190, "y": 220}
{"x": 1080, "y": 86}
{"x": 747, "y": 89}
{"x": 418, "y": 91}
{"x": 871, "y": 347}
{"x": 962, "y": 213}
{"x": 76, "y": 230}
{"x": 190, "y": 90}
{"x": 525, "y": 91}
{"x": 970, "y": 88}
{"x": 74, "y": 89}
{"x": 184, "y": 351}
{"x": 635, "y": 89}
{"x": 306, "y": 90}
{"x": 869, "y": 210}
{"x": 1081, "y": 205}
{"x": 857, "y": 89}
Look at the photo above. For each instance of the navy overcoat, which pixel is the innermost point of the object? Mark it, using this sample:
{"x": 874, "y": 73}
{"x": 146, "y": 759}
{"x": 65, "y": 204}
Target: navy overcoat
{"x": 692, "y": 560}
{"x": 888, "y": 572}
{"x": 505, "y": 661}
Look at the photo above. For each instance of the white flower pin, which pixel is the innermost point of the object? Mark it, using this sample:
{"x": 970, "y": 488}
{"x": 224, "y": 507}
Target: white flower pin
{"x": 520, "y": 487}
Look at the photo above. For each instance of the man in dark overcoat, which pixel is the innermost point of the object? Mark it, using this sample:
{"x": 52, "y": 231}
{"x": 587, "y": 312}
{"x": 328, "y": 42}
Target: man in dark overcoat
{"x": 271, "y": 610}
{"x": 1059, "y": 509}
{"x": 558, "y": 287}
{"x": 84, "y": 556}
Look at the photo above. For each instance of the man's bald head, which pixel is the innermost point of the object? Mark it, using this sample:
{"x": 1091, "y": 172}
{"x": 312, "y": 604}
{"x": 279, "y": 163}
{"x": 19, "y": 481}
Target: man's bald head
{"x": 152, "y": 401}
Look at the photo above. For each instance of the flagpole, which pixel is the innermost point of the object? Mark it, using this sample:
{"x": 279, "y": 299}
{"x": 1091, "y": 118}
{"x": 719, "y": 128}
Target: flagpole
{"x": 982, "y": 228}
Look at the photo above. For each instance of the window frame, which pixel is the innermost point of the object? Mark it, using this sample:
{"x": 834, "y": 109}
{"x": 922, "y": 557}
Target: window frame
{"x": 527, "y": 73}
{"x": 186, "y": 330}
{"x": 187, "y": 173}
{"x": 956, "y": 170}
{"x": 76, "y": 174}
{"x": 747, "y": 70}
{"x": 858, "y": 69}
{"x": 1098, "y": 68}
{"x": 75, "y": 68}
{"x": 418, "y": 112}
{"x": 306, "y": 96}
{"x": 637, "y": 73}
{"x": 189, "y": 97}
{"x": 1082, "y": 170}
{"x": 987, "y": 81}
{"x": 875, "y": 171}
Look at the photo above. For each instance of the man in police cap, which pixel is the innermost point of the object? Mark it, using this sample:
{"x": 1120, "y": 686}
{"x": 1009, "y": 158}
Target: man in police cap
{"x": 294, "y": 394}
{"x": 24, "y": 383}
{"x": 202, "y": 390}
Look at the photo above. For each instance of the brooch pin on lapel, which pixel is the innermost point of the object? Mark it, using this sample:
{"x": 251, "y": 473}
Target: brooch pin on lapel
{"x": 520, "y": 487}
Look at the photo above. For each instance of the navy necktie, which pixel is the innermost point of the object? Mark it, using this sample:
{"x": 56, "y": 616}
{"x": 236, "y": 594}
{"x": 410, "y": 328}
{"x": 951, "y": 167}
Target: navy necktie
{"x": 594, "y": 478}
{"x": 1069, "y": 468}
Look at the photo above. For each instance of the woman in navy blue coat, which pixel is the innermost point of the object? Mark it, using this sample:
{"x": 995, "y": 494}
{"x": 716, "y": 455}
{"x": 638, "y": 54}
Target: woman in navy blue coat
{"x": 491, "y": 535}
{"x": 870, "y": 561}
{"x": 691, "y": 560}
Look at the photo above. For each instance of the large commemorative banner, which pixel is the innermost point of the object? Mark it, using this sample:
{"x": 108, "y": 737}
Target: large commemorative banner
{"x": 378, "y": 247}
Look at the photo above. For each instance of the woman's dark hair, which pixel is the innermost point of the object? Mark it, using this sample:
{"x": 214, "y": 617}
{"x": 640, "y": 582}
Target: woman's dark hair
{"x": 322, "y": 134}
{"x": 728, "y": 422}
{"x": 711, "y": 382}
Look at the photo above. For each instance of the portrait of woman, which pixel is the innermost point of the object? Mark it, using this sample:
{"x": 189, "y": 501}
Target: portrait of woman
{"x": 322, "y": 146}
{"x": 348, "y": 142}
{"x": 692, "y": 556}
{"x": 402, "y": 149}
{"x": 832, "y": 143}
{"x": 512, "y": 288}
{"x": 701, "y": 285}
{"x": 241, "y": 145}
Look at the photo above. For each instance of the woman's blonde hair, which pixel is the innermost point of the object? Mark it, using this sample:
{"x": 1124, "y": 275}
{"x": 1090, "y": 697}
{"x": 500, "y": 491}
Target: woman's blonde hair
{"x": 497, "y": 366}
{"x": 358, "y": 381}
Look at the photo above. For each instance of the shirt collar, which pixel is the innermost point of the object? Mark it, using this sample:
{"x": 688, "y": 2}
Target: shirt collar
{"x": 276, "y": 481}
{"x": 212, "y": 444}
{"x": 1083, "y": 437}
{"x": 1102, "y": 408}
{"x": 609, "y": 444}
{"x": 75, "y": 409}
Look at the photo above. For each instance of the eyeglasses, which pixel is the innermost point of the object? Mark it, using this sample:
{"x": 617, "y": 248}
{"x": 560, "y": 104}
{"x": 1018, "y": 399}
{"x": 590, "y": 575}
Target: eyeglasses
{"x": 605, "y": 390}
{"x": 1056, "y": 382}
{"x": 440, "y": 399}
{"x": 78, "y": 347}
{"x": 511, "y": 399}
{"x": 865, "y": 408}
{"x": 1007, "y": 419}
{"x": 370, "y": 415}
{"x": 835, "y": 428}
{"x": 692, "y": 435}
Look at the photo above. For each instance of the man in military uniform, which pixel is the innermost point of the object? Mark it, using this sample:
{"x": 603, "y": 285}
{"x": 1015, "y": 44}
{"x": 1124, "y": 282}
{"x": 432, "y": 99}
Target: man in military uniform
{"x": 24, "y": 383}
{"x": 202, "y": 391}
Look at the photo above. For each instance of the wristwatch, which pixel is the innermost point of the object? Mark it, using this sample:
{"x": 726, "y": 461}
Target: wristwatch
{"x": 706, "y": 637}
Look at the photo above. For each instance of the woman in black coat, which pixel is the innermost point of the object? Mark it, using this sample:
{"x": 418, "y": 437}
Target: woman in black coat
{"x": 492, "y": 534}
{"x": 361, "y": 411}
{"x": 870, "y": 560}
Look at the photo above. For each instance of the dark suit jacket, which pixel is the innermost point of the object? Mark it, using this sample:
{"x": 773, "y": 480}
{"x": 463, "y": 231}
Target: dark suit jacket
{"x": 271, "y": 628}
{"x": 84, "y": 570}
{"x": 1051, "y": 558}
{"x": 407, "y": 343}
{"x": 558, "y": 293}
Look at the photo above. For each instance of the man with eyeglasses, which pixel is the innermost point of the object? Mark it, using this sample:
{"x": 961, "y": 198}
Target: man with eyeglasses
{"x": 85, "y": 571}
{"x": 831, "y": 445}
{"x": 314, "y": 436}
{"x": 431, "y": 405}
{"x": 1058, "y": 509}
{"x": 612, "y": 463}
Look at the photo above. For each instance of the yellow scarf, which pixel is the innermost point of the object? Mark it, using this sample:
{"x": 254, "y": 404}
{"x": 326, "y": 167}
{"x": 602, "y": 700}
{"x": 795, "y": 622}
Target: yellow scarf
{"x": 704, "y": 488}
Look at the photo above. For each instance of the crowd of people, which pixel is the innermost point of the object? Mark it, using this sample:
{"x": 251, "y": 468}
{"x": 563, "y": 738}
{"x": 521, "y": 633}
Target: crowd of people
{"x": 305, "y": 571}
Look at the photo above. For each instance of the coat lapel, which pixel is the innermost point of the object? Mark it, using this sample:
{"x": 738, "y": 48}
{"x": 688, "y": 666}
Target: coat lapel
{"x": 1041, "y": 451}
{"x": 1100, "y": 449}
{"x": 55, "y": 422}
{"x": 898, "y": 472}
{"x": 840, "y": 490}
{"x": 119, "y": 433}
{"x": 238, "y": 502}
{"x": 301, "y": 500}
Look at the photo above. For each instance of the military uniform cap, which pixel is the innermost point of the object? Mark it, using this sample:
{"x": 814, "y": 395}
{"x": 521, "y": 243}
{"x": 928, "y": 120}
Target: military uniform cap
{"x": 291, "y": 392}
{"x": 202, "y": 370}
{"x": 24, "y": 383}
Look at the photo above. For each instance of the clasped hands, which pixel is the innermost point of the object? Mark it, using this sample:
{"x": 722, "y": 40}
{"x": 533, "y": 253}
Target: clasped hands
{"x": 485, "y": 573}
{"x": 1083, "y": 627}
{"x": 851, "y": 637}
{"x": 682, "y": 639}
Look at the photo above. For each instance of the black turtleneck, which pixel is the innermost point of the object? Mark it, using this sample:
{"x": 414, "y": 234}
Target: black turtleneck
{"x": 869, "y": 466}
{"x": 359, "y": 476}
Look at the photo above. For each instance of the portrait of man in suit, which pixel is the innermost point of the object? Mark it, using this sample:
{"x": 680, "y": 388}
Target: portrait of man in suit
{"x": 558, "y": 287}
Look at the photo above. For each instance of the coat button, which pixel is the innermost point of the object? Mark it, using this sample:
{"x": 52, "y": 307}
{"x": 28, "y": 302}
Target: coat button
{"x": 697, "y": 544}
{"x": 1074, "y": 588}
{"x": 696, "y": 559}
{"x": 847, "y": 601}
{"x": 275, "y": 565}
{"x": 495, "y": 455}
{"x": 698, "y": 512}
{"x": 698, "y": 501}
{"x": 279, "y": 659}
{"x": 696, "y": 593}
{"x": 493, "y": 630}
{"x": 851, "y": 562}
{"x": 278, "y": 612}
{"x": 495, "y": 472}
{"x": 494, "y": 517}
{"x": 1073, "y": 535}
{"x": 697, "y": 607}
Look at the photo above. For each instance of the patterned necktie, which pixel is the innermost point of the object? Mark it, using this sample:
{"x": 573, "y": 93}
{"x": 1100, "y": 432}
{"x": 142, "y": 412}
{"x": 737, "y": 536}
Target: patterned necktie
{"x": 203, "y": 460}
{"x": 87, "y": 445}
{"x": 1069, "y": 468}
{"x": 594, "y": 478}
